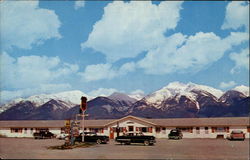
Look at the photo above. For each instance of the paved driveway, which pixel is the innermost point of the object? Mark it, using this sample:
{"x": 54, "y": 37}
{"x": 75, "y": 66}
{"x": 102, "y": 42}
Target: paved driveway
{"x": 24, "y": 148}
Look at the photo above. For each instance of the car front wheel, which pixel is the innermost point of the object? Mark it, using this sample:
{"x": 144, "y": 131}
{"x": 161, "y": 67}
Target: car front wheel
{"x": 98, "y": 141}
{"x": 146, "y": 143}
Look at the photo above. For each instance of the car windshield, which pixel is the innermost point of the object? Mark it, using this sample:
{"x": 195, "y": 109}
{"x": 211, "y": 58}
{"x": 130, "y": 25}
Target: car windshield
{"x": 89, "y": 133}
{"x": 237, "y": 131}
{"x": 174, "y": 131}
{"x": 133, "y": 134}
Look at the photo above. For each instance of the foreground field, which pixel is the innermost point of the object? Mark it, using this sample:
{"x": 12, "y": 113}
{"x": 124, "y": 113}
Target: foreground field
{"x": 23, "y": 148}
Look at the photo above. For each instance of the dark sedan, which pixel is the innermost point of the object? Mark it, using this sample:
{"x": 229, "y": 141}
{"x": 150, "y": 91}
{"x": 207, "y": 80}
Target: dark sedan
{"x": 175, "y": 134}
{"x": 43, "y": 135}
{"x": 136, "y": 138}
{"x": 92, "y": 137}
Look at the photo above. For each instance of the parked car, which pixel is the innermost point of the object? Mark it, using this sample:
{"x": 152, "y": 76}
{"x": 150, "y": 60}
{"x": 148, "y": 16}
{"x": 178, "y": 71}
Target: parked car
{"x": 136, "y": 138}
{"x": 175, "y": 134}
{"x": 236, "y": 135}
{"x": 92, "y": 137}
{"x": 43, "y": 135}
{"x": 62, "y": 136}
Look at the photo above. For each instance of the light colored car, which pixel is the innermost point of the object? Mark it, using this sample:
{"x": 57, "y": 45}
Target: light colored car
{"x": 62, "y": 136}
{"x": 236, "y": 135}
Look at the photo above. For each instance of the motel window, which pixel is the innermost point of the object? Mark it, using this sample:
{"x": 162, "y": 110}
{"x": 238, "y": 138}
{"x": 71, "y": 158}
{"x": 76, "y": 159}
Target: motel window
{"x": 158, "y": 129}
{"x": 123, "y": 129}
{"x": 220, "y": 129}
{"x": 16, "y": 130}
{"x": 25, "y": 130}
{"x": 41, "y": 129}
{"x": 206, "y": 130}
{"x": 99, "y": 130}
{"x": 186, "y": 129}
{"x": 163, "y": 128}
{"x": 144, "y": 129}
{"x": 31, "y": 130}
{"x": 197, "y": 130}
{"x": 138, "y": 129}
{"x": 150, "y": 129}
{"x": 248, "y": 129}
{"x": 213, "y": 129}
{"x": 130, "y": 128}
{"x": 62, "y": 130}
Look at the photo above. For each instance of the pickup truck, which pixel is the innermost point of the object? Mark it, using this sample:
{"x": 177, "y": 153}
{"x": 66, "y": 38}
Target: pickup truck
{"x": 236, "y": 135}
{"x": 136, "y": 138}
{"x": 92, "y": 137}
{"x": 43, "y": 135}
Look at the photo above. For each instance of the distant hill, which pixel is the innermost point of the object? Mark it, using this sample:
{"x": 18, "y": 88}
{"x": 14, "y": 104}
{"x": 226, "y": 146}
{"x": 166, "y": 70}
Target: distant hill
{"x": 175, "y": 100}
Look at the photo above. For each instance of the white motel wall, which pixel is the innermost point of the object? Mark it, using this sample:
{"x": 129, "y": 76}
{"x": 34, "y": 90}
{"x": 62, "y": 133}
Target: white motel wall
{"x": 160, "y": 128}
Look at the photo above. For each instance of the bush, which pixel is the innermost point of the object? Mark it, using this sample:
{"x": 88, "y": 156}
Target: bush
{"x": 76, "y": 145}
{"x": 2, "y": 136}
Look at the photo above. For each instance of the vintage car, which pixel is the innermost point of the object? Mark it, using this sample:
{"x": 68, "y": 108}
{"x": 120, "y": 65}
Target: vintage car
{"x": 129, "y": 138}
{"x": 92, "y": 137}
{"x": 43, "y": 135}
{"x": 175, "y": 134}
{"x": 62, "y": 136}
{"x": 236, "y": 135}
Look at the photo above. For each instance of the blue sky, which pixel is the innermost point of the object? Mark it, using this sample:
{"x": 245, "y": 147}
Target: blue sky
{"x": 132, "y": 47}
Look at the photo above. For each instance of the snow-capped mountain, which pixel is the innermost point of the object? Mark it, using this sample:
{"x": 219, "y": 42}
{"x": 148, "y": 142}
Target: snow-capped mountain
{"x": 190, "y": 100}
{"x": 176, "y": 100}
{"x": 71, "y": 98}
{"x": 18, "y": 111}
{"x": 243, "y": 89}
{"x": 113, "y": 106}
{"x": 122, "y": 97}
{"x": 53, "y": 109}
{"x": 137, "y": 96}
{"x": 176, "y": 89}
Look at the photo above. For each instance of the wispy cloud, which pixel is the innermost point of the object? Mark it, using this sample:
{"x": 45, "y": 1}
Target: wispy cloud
{"x": 226, "y": 85}
{"x": 102, "y": 92}
{"x": 241, "y": 60}
{"x": 32, "y": 71}
{"x": 105, "y": 71}
{"x": 7, "y": 95}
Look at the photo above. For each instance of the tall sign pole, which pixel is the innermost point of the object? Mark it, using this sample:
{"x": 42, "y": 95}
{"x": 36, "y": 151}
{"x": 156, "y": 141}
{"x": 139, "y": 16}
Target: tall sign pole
{"x": 83, "y": 108}
{"x": 83, "y": 126}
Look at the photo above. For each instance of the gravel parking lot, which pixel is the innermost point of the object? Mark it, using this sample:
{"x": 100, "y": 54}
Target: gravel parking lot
{"x": 25, "y": 148}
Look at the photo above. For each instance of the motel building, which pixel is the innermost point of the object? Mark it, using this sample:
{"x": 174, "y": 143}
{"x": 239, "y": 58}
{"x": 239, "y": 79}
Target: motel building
{"x": 160, "y": 128}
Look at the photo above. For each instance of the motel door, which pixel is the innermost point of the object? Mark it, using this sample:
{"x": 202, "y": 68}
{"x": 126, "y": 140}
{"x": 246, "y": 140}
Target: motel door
{"x": 130, "y": 128}
{"x": 111, "y": 133}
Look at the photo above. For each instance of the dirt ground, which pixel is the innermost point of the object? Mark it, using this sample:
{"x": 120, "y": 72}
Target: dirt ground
{"x": 25, "y": 148}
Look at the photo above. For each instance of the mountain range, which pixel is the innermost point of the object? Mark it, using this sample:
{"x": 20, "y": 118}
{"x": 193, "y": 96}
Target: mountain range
{"x": 176, "y": 100}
